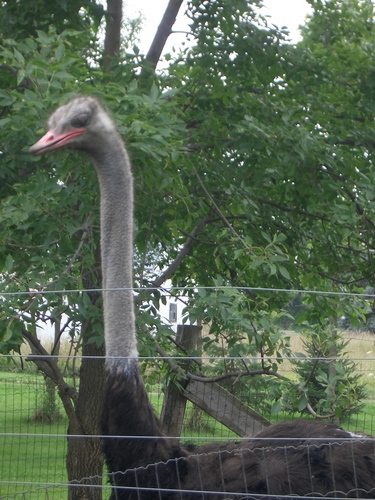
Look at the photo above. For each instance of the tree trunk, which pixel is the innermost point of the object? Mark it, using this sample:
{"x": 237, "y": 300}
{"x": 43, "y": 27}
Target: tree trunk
{"x": 84, "y": 456}
{"x": 113, "y": 32}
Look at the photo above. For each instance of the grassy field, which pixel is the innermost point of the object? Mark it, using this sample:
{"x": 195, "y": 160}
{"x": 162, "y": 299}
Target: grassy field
{"x": 33, "y": 451}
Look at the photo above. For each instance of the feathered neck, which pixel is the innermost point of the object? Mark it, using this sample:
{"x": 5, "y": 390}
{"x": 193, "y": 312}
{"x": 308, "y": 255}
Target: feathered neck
{"x": 116, "y": 216}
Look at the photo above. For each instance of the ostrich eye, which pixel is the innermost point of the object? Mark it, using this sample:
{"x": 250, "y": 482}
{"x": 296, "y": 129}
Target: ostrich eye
{"x": 81, "y": 120}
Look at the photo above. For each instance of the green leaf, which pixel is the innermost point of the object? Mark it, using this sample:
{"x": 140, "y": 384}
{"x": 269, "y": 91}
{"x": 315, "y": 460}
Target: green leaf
{"x": 276, "y": 408}
{"x": 21, "y": 74}
{"x": 302, "y": 402}
{"x": 9, "y": 264}
{"x": 18, "y": 56}
{"x": 266, "y": 236}
{"x": 284, "y": 272}
{"x": 4, "y": 121}
{"x": 6, "y": 99}
{"x": 59, "y": 52}
{"x": 43, "y": 37}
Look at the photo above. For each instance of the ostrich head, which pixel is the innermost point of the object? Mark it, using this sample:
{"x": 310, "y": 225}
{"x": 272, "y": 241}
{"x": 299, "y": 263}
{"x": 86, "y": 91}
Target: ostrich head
{"x": 80, "y": 124}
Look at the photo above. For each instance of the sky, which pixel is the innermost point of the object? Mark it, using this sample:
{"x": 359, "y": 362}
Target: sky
{"x": 290, "y": 13}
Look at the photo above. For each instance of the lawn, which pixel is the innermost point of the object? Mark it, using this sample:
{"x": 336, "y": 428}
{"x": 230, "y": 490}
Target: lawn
{"x": 32, "y": 452}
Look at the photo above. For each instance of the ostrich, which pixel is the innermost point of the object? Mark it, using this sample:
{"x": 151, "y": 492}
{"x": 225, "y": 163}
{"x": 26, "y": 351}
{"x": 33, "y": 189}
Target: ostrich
{"x": 297, "y": 459}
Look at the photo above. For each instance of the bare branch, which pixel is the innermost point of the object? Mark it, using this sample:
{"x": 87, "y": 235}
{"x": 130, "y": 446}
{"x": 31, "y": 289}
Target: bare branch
{"x": 237, "y": 375}
{"x": 216, "y": 208}
{"x": 199, "y": 378}
{"x": 163, "y": 32}
{"x": 85, "y": 231}
{"x": 292, "y": 209}
{"x": 147, "y": 239}
{"x": 181, "y": 254}
{"x": 312, "y": 412}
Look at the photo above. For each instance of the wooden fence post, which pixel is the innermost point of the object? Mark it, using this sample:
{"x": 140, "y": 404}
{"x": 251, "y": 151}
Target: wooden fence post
{"x": 174, "y": 403}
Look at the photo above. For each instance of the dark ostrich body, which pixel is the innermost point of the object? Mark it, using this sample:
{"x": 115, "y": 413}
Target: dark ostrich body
{"x": 291, "y": 459}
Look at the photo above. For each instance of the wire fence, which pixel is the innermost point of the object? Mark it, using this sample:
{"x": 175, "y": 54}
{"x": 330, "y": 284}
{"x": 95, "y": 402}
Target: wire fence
{"x": 33, "y": 437}
{"x": 33, "y": 431}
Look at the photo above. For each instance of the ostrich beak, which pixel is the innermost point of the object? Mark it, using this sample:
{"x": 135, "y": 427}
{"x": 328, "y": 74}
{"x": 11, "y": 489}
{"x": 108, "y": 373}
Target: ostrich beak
{"x": 53, "y": 140}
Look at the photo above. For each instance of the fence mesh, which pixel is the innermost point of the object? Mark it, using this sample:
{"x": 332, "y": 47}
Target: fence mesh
{"x": 33, "y": 432}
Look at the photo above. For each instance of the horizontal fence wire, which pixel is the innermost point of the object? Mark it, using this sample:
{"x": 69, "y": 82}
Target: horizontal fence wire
{"x": 172, "y": 289}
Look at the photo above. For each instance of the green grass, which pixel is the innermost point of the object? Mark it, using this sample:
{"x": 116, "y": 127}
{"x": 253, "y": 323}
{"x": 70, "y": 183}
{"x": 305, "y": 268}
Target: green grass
{"x": 31, "y": 452}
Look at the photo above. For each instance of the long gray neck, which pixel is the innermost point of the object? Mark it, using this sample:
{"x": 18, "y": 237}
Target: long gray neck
{"x": 116, "y": 214}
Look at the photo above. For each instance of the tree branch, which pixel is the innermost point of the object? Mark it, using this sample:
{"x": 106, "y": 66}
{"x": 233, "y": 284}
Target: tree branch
{"x": 292, "y": 209}
{"x": 147, "y": 239}
{"x": 216, "y": 208}
{"x": 48, "y": 365}
{"x": 175, "y": 368}
{"x": 163, "y": 32}
{"x": 25, "y": 83}
{"x": 181, "y": 254}
{"x": 312, "y": 412}
{"x": 85, "y": 231}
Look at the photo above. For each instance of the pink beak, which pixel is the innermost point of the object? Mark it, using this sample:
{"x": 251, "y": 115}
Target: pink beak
{"x": 52, "y": 140}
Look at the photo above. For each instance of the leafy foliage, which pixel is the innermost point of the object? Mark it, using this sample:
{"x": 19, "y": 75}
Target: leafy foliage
{"x": 23, "y": 19}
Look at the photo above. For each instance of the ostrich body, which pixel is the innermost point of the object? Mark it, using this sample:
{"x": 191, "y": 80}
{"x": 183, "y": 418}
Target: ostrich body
{"x": 298, "y": 458}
